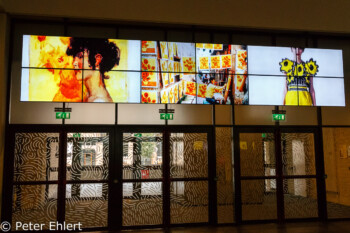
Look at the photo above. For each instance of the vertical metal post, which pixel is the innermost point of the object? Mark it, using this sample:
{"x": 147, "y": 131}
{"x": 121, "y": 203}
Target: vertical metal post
{"x": 61, "y": 200}
{"x": 213, "y": 217}
{"x": 237, "y": 173}
{"x": 166, "y": 178}
{"x": 320, "y": 170}
{"x": 279, "y": 171}
{"x": 166, "y": 112}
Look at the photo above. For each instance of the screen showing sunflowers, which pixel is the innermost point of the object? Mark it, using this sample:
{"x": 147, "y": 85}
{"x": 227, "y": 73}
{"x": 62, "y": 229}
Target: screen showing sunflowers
{"x": 295, "y": 76}
{"x": 70, "y": 69}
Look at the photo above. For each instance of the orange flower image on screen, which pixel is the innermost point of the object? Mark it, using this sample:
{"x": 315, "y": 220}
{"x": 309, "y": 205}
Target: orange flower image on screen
{"x": 171, "y": 66}
{"x": 181, "y": 88}
{"x": 54, "y": 84}
{"x": 164, "y": 65}
{"x": 242, "y": 60}
{"x": 190, "y": 88}
{"x": 165, "y": 79}
{"x": 215, "y": 62}
{"x": 165, "y": 97}
{"x": 176, "y": 93}
{"x": 226, "y": 61}
{"x": 171, "y": 78}
{"x": 218, "y": 46}
{"x": 65, "y": 58}
{"x": 209, "y": 46}
{"x": 240, "y": 82}
{"x": 188, "y": 64}
{"x": 171, "y": 49}
{"x": 164, "y": 50}
{"x": 204, "y": 63}
{"x": 218, "y": 90}
{"x": 177, "y": 67}
{"x": 171, "y": 95}
{"x": 202, "y": 89}
{"x": 148, "y": 47}
{"x": 149, "y": 97}
{"x": 149, "y": 79}
{"x": 148, "y": 64}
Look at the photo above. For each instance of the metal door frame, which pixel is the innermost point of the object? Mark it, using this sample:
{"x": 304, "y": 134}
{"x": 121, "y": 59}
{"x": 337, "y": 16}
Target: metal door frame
{"x": 61, "y": 182}
{"x": 166, "y": 130}
{"x": 319, "y": 165}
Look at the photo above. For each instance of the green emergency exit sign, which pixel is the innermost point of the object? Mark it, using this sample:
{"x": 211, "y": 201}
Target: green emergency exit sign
{"x": 62, "y": 115}
{"x": 279, "y": 117}
{"x": 167, "y": 116}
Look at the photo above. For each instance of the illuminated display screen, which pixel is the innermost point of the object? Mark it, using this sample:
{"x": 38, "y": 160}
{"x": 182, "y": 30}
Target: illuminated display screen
{"x": 64, "y": 69}
{"x": 70, "y": 69}
{"x": 167, "y": 69}
{"x": 221, "y": 73}
{"x": 295, "y": 76}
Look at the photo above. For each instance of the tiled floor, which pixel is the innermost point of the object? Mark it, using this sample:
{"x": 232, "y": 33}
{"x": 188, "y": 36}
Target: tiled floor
{"x": 309, "y": 227}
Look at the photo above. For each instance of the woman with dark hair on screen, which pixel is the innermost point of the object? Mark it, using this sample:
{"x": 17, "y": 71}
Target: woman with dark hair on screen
{"x": 92, "y": 58}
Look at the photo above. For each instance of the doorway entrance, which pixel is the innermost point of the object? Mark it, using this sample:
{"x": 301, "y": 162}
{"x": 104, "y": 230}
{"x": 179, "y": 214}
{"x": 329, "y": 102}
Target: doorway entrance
{"x": 58, "y": 174}
{"x": 110, "y": 178}
{"x": 137, "y": 176}
{"x": 165, "y": 177}
{"x": 278, "y": 174}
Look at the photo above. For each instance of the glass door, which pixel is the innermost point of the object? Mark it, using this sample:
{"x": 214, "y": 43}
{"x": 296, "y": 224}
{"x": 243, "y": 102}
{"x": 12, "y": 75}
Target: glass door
{"x": 299, "y": 175}
{"x": 189, "y": 179}
{"x": 278, "y": 174}
{"x": 164, "y": 178}
{"x": 87, "y": 174}
{"x": 258, "y": 176}
{"x": 59, "y": 176}
{"x": 142, "y": 179}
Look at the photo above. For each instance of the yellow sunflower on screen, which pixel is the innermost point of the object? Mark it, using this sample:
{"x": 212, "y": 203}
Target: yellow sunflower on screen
{"x": 290, "y": 78}
{"x": 311, "y": 67}
{"x": 286, "y": 65}
{"x": 299, "y": 70}
{"x": 307, "y": 78}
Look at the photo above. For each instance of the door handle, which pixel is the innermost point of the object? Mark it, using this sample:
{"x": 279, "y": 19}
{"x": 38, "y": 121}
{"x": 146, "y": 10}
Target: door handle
{"x": 115, "y": 181}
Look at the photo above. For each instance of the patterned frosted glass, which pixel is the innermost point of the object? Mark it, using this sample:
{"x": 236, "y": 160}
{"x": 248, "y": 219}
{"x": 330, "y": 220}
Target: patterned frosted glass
{"x": 259, "y": 200}
{"x": 188, "y": 202}
{"x": 142, "y": 203}
{"x": 188, "y": 155}
{"x": 298, "y": 154}
{"x": 300, "y": 198}
{"x": 87, "y": 156}
{"x": 257, "y": 152}
{"x": 34, "y": 204}
{"x": 36, "y": 156}
{"x": 87, "y": 204}
{"x": 142, "y": 155}
{"x": 224, "y": 174}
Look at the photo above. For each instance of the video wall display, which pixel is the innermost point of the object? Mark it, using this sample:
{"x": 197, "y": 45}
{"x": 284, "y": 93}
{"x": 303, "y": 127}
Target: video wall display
{"x": 168, "y": 70}
{"x": 67, "y": 69}
{"x": 70, "y": 69}
{"x": 295, "y": 76}
{"x": 221, "y": 73}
